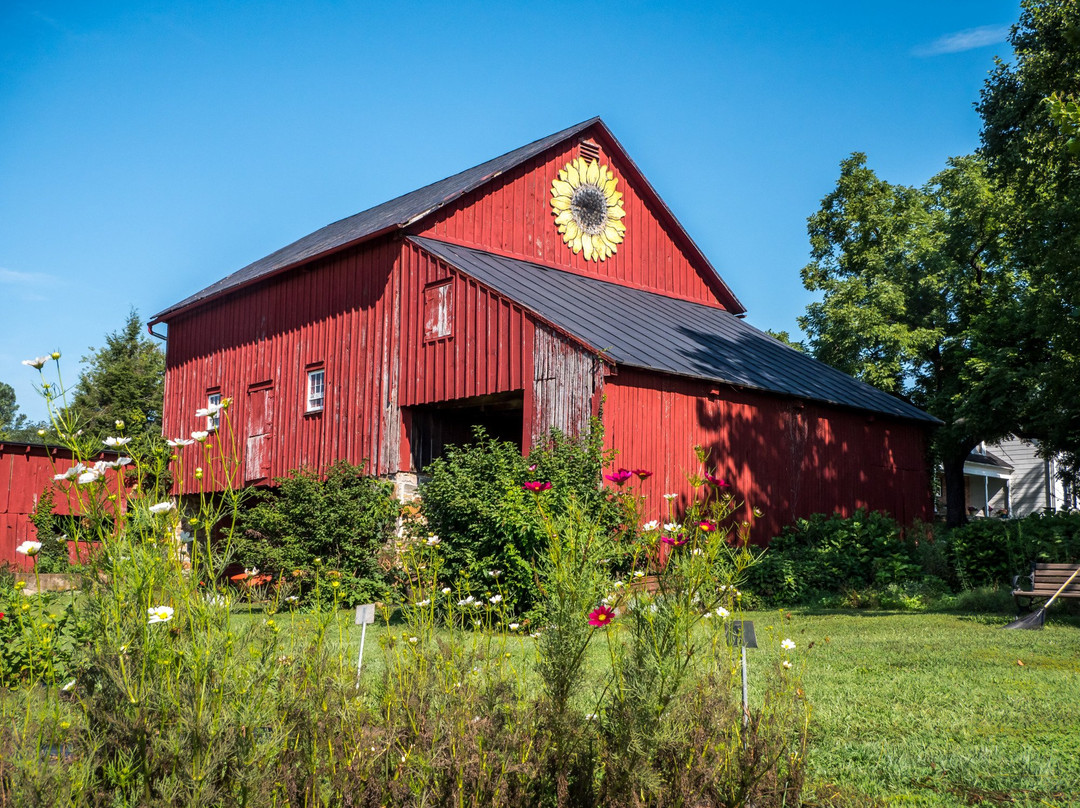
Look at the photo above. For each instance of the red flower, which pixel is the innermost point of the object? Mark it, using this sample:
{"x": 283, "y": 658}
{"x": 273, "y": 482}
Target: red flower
{"x": 642, "y": 474}
{"x": 536, "y": 486}
{"x": 601, "y": 616}
{"x": 1, "y": 615}
{"x": 716, "y": 481}
{"x": 706, "y": 525}
{"x": 675, "y": 541}
{"x": 620, "y": 476}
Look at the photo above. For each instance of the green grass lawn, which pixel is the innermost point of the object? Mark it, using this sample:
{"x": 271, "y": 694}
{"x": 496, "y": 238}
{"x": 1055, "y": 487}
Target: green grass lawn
{"x": 915, "y": 708}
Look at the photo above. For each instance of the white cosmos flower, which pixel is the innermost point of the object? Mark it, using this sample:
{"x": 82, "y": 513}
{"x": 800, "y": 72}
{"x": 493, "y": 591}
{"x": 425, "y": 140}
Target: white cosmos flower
{"x": 639, "y": 574}
{"x": 495, "y": 598}
{"x": 494, "y": 573}
{"x": 670, "y": 497}
{"x": 788, "y": 645}
{"x": 722, "y": 612}
{"x": 446, "y": 590}
{"x": 671, "y": 527}
{"x": 162, "y": 507}
{"x": 786, "y": 664}
{"x": 433, "y": 540}
{"x": 117, "y": 441}
{"x": 413, "y": 639}
{"x": 160, "y": 614}
{"x": 180, "y": 442}
{"x": 619, "y": 584}
{"x": 69, "y": 686}
{"x": 29, "y": 548}
{"x": 89, "y": 476}
{"x": 424, "y": 602}
{"x": 648, "y": 527}
{"x": 37, "y": 363}
{"x": 514, "y": 626}
{"x": 74, "y": 471}
{"x": 200, "y": 436}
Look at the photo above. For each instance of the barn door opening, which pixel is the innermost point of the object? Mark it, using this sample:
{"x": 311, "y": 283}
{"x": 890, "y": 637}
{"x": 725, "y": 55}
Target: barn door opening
{"x": 260, "y": 430}
{"x": 432, "y": 427}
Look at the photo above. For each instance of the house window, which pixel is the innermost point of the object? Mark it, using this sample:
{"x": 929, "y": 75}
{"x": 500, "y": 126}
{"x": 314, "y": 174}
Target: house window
{"x": 439, "y": 311}
{"x": 316, "y": 389}
{"x": 213, "y": 407}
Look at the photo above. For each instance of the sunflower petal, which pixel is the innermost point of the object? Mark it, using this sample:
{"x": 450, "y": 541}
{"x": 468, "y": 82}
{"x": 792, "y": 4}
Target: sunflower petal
{"x": 561, "y": 203}
{"x": 592, "y": 173}
{"x": 564, "y": 217}
{"x": 561, "y": 188}
{"x": 572, "y": 229}
{"x": 611, "y": 235}
{"x": 614, "y": 212}
{"x": 575, "y": 245}
{"x": 572, "y": 175}
{"x": 609, "y": 186}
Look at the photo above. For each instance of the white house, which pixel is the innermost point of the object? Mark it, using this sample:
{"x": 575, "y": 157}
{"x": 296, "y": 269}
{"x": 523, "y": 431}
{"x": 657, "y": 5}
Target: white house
{"x": 1010, "y": 479}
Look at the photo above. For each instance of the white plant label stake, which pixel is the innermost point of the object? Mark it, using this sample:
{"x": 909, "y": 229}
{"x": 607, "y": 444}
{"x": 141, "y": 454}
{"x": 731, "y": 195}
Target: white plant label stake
{"x": 365, "y": 613}
{"x": 741, "y": 633}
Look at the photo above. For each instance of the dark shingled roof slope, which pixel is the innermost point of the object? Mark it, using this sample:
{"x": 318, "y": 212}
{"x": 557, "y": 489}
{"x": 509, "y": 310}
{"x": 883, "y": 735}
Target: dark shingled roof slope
{"x": 651, "y": 331}
{"x": 379, "y": 219}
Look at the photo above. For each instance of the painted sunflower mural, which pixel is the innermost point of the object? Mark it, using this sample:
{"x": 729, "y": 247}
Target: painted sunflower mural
{"x": 588, "y": 210}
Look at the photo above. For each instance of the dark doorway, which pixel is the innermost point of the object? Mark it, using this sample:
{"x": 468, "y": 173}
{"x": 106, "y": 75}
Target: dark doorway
{"x": 432, "y": 427}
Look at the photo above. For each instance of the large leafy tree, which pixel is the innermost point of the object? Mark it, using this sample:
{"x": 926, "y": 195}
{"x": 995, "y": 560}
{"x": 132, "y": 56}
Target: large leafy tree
{"x": 919, "y": 299}
{"x": 1030, "y": 130}
{"x": 123, "y": 381}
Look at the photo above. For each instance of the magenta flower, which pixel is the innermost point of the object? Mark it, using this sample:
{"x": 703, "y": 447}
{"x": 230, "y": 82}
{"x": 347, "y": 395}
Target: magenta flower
{"x": 716, "y": 481}
{"x": 601, "y": 616}
{"x": 674, "y": 541}
{"x": 536, "y": 486}
{"x": 706, "y": 525}
{"x": 619, "y": 477}
{"x": 642, "y": 474}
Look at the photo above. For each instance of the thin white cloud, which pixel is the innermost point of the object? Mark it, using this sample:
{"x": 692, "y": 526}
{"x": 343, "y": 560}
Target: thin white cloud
{"x": 21, "y": 278}
{"x": 965, "y": 40}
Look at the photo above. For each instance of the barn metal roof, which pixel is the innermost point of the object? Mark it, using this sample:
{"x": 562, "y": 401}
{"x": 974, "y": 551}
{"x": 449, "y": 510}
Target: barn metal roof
{"x": 411, "y": 207}
{"x": 652, "y": 331}
{"x": 396, "y": 213}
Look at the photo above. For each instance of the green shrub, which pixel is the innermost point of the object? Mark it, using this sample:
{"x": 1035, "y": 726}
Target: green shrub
{"x": 828, "y": 555}
{"x": 338, "y": 520}
{"x": 991, "y": 551}
{"x": 474, "y": 502}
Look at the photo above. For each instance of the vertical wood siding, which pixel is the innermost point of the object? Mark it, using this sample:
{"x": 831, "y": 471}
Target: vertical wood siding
{"x": 25, "y": 473}
{"x": 788, "y": 457}
{"x": 512, "y": 215}
{"x": 482, "y": 355}
{"x": 566, "y": 383}
{"x": 341, "y": 312}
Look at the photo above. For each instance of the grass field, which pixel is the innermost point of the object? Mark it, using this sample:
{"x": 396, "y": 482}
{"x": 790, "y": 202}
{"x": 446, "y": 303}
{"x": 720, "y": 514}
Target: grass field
{"x": 918, "y": 708}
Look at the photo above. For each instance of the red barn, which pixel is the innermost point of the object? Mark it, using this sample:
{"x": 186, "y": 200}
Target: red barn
{"x": 26, "y": 472}
{"x": 520, "y": 294}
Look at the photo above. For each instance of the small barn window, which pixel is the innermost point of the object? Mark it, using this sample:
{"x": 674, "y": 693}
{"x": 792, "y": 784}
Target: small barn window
{"x": 213, "y": 407}
{"x": 439, "y": 310}
{"x": 590, "y": 150}
{"x": 316, "y": 389}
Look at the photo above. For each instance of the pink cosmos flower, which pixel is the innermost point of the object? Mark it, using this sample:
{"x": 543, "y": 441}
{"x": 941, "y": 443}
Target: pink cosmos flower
{"x": 642, "y": 474}
{"x": 536, "y": 486}
{"x": 619, "y": 477}
{"x": 716, "y": 480}
{"x": 601, "y": 616}
{"x": 674, "y": 541}
{"x": 706, "y": 525}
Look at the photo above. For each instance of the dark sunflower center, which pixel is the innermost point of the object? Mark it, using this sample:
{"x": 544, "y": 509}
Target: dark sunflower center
{"x": 589, "y": 207}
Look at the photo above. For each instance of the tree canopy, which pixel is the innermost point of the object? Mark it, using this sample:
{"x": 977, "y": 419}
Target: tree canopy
{"x": 14, "y": 425}
{"x": 919, "y": 299}
{"x": 1029, "y": 140}
{"x": 125, "y": 381}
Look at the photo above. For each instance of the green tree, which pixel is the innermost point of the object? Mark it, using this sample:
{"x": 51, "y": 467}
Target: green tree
{"x": 920, "y": 300}
{"x": 124, "y": 381}
{"x": 1030, "y": 126}
{"x": 14, "y": 425}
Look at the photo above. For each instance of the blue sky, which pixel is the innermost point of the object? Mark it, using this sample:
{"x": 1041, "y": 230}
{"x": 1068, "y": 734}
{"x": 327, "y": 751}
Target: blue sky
{"x": 149, "y": 149}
